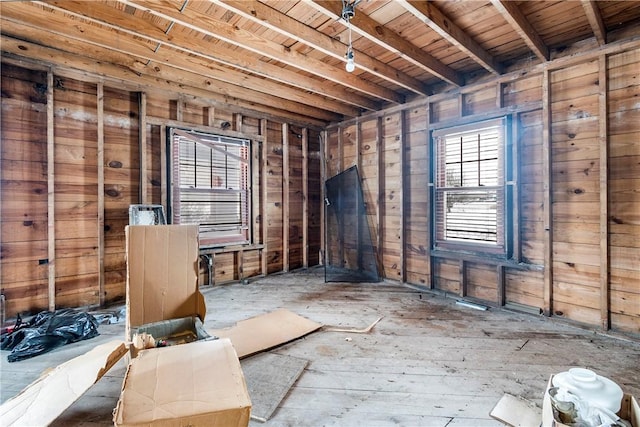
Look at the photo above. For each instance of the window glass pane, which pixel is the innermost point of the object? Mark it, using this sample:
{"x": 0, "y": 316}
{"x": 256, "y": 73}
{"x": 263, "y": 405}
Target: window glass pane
{"x": 211, "y": 186}
{"x": 469, "y": 193}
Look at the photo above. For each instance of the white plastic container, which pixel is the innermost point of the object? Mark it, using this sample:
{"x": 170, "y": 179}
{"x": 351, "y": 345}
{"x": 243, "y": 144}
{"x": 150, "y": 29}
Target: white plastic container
{"x": 594, "y": 389}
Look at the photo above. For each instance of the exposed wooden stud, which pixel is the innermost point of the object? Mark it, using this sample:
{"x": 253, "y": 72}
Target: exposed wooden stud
{"x": 430, "y": 167}
{"x": 255, "y": 211}
{"x": 180, "y": 104}
{"x": 603, "y": 142}
{"x": 263, "y": 197}
{"x": 380, "y": 198}
{"x": 285, "y": 197}
{"x": 51, "y": 206}
{"x": 240, "y": 264}
{"x": 164, "y": 183}
{"x": 515, "y": 187}
{"x": 500, "y": 285}
{"x": 547, "y": 215}
{"x": 142, "y": 145}
{"x": 428, "y": 13}
{"x": 100, "y": 113}
{"x": 370, "y": 29}
{"x": 305, "y": 197}
{"x": 359, "y": 213}
{"x": 340, "y": 170}
{"x": 519, "y": 22}
{"x": 209, "y": 116}
{"x": 323, "y": 195}
{"x": 404, "y": 189}
{"x": 462, "y": 268}
{"x": 595, "y": 20}
{"x": 237, "y": 122}
{"x": 500, "y": 95}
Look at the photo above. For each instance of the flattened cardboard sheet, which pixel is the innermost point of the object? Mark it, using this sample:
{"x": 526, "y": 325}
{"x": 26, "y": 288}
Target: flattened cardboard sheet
{"x": 269, "y": 377}
{"x": 200, "y": 383}
{"x": 516, "y": 412}
{"x": 41, "y": 402}
{"x": 266, "y": 331}
{"x": 162, "y": 274}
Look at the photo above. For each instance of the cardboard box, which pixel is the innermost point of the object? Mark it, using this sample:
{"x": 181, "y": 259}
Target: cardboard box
{"x": 200, "y": 383}
{"x": 162, "y": 275}
{"x": 629, "y": 410}
{"x": 168, "y": 332}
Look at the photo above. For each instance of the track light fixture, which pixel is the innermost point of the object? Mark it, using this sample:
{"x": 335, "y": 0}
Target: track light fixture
{"x": 348, "y": 12}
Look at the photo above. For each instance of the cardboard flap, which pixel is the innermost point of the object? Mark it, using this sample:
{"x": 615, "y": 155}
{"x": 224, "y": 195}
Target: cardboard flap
{"x": 41, "y": 402}
{"x": 266, "y": 331}
{"x": 182, "y": 383}
{"x": 162, "y": 274}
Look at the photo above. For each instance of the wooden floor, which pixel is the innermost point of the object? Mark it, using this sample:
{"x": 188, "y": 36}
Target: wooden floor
{"x": 429, "y": 362}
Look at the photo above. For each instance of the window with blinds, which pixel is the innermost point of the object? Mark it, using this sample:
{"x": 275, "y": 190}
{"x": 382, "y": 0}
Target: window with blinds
{"x": 211, "y": 186}
{"x": 469, "y": 186}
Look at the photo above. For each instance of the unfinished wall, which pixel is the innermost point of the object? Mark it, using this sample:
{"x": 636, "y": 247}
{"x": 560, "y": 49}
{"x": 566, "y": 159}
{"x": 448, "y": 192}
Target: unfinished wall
{"x": 576, "y": 130}
{"x": 76, "y": 152}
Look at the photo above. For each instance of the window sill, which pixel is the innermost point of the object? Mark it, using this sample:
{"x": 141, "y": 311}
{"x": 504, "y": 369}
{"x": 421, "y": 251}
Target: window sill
{"x": 207, "y": 250}
{"x": 489, "y": 259}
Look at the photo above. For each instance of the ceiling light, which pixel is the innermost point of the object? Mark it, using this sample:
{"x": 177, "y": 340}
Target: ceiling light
{"x": 351, "y": 65}
{"x": 348, "y": 12}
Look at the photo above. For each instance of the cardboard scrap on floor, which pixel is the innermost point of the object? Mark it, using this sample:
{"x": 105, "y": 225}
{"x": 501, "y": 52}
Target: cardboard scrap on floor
{"x": 266, "y": 331}
{"x": 45, "y": 399}
{"x": 516, "y": 412}
{"x": 269, "y": 377}
{"x": 200, "y": 383}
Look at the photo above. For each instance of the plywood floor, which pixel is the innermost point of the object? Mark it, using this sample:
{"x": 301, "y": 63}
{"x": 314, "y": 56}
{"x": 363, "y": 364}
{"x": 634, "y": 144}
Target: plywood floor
{"x": 429, "y": 362}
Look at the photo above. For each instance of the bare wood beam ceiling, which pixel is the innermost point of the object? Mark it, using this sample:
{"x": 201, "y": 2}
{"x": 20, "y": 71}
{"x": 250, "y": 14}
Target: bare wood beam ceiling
{"x": 244, "y": 39}
{"x": 286, "y": 59}
{"x": 281, "y": 23}
{"x": 595, "y": 20}
{"x": 375, "y": 32}
{"x": 519, "y": 22}
{"x": 432, "y": 16}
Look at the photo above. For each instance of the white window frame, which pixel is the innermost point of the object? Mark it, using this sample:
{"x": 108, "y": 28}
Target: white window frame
{"x": 211, "y": 186}
{"x": 470, "y": 198}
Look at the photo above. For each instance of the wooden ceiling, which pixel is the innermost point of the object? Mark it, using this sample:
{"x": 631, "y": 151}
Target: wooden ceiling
{"x": 286, "y": 58}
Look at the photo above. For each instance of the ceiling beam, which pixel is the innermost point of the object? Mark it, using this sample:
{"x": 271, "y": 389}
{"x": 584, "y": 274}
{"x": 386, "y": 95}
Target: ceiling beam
{"x": 248, "y": 40}
{"x": 283, "y": 24}
{"x": 428, "y": 13}
{"x": 595, "y": 20}
{"x": 138, "y": 28}
{"x": 375, "y": 32}
{"x": 86, "y": 68}
{"x": 514, "y": 16}
{"x": 140, "y": 53}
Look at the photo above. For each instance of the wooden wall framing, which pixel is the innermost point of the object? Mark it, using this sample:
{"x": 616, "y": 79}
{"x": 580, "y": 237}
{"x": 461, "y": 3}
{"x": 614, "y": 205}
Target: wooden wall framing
{"x": 77, "y": 152}
{"x": 576, "y": 134}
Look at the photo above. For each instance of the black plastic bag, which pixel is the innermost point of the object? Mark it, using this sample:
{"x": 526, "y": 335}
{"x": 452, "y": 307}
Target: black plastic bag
{"x": 48, "y": 330}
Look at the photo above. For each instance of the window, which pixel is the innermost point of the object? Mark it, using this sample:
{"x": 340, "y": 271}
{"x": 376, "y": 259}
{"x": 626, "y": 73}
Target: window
{"x": 210, "y": 186}
{"x": 470, "y": 188}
